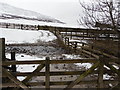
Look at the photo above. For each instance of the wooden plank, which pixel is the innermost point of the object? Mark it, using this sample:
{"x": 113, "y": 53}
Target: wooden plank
{"x": 92, "y": 36}
{"x": 99, "y": 52}
{"x": 47, "y": 73}
{"x": 84, "y": 60}
{"x": 23, "y": 62}
{"x": 59, "y": 73}
{"x": 95, "y": 31}
{"x": 40, "y": 67}
{"x": 16, "y": 81}
{"x": 67, "y": 29}
{"x": 59, "y": 83}
{"x": 54, "y": 73}
{"x": 101, "y": 72}
{"x": 83, "y": 54}
{"x": 81, "y": 82}
{"x": 91, "y": 54}
{"x": 82, "y": 76}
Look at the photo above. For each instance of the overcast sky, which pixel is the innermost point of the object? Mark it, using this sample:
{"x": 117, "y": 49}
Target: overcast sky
{"x": 65, "y": 10}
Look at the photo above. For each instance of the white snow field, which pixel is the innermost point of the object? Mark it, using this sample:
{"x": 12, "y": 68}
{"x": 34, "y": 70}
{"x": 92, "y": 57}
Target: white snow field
{"x": 24, "y": 36}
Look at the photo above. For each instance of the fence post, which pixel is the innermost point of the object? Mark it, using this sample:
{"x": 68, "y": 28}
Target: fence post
{"x": 75, "y": 47}
{"x": 22, "y": 26}
{"x": 83, "y": 44}
{"x": 47, "y": 74}
{"x": 2, "y": 57}
{"x": 13, "y": 59}
{"x": 119, "y": 52}
{"x": 2, "y": 49}
{"x": 68, "y": 41}
{"x": 65, "y": 40}
{"x": 100, "y": 73}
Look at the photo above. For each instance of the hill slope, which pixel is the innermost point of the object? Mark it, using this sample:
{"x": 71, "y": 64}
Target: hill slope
{"x": 11, "y": 12}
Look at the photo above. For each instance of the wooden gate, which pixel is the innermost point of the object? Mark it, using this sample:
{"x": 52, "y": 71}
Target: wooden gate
{"x": 98, "y": 68}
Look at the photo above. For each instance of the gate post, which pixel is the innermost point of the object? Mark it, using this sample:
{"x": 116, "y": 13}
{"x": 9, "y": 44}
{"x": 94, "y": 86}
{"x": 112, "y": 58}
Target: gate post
{"x": 100, "y": 73}
{"x": 13, "y": 59}
{"x": 2, "y": 57}
{"x": 2, "y": 49}
{"x": 47, "y": 74}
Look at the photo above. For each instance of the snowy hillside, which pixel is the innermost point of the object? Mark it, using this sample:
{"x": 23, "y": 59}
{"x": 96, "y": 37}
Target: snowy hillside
{"x": 11, "y": 12}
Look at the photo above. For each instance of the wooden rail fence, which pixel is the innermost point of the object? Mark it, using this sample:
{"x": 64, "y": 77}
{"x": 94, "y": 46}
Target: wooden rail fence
{"x": 65, "y": 31}
{"x": 73, "y": 40}
{"x": 18, "y": 26}
{"x": 98, "y": 68}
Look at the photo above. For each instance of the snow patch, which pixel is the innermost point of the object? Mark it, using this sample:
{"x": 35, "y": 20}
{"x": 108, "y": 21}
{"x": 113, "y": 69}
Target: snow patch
{"x": 71, "y": 56}
{"x": 117, "y": 67}
{"x": 106, "y": 77}
{"x": 85, "y": 65}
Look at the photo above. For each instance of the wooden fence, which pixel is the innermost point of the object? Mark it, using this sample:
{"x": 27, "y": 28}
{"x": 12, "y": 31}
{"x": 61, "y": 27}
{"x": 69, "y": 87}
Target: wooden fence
{"x": 98, "y": 68}
{"x": 91, "y": 53}
{"x": 62, "y": 33}
{"x": 18, "y": 26}
{"x": 87, "y": 50}
{"x": 73, "y": 32}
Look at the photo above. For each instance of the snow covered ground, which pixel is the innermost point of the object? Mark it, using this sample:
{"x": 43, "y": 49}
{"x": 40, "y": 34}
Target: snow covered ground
{"x": 24, "y": 36}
